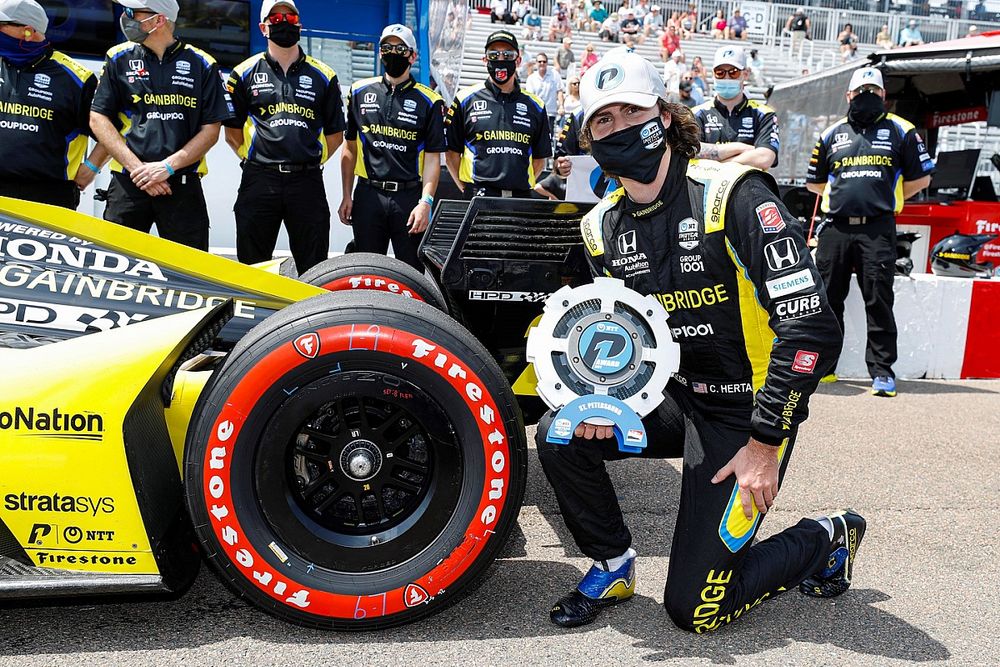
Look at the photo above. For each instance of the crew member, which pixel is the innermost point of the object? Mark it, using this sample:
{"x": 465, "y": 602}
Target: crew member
{"x": 715, "y": 245}
{"x": 734, "y": 128}
{"x": 158, "y": 109}
{"x": 45, "y": 101}
{"x": 395, "y": 132}
{"x": 865, "y": 166}
{"x": 289, "y": 119}
{"x": 498, "y": 134}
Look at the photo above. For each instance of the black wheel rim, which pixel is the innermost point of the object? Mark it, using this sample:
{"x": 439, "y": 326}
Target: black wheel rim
{"x": 362, "y": 471}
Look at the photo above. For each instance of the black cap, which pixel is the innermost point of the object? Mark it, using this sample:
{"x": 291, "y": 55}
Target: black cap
{"x": 503, "y": 36}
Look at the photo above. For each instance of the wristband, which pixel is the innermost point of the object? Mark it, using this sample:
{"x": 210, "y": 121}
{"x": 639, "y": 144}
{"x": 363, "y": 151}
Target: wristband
{"x": 166, "y": 165}
{"x": 427, "y": 199}
{"x": 91, "y": 166}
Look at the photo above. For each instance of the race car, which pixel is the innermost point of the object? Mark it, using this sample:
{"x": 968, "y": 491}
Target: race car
{"x": 345, "y": 460}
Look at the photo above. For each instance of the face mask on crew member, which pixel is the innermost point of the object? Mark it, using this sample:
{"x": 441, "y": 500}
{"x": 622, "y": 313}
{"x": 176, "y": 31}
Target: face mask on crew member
{"x": 501, "y": 70}
{"x": 865, "y": 109}
{"x": 284, "y": 34}
{"x": 635, "y": 152}
{"x": 727, "y": 89}
{"x": 395, "y": 64}
{"x": 20, "y": 52}
{"x": 132, "y": 29}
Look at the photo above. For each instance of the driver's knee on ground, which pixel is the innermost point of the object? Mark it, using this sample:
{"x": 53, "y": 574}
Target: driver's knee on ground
{"x": 681, "y": 609}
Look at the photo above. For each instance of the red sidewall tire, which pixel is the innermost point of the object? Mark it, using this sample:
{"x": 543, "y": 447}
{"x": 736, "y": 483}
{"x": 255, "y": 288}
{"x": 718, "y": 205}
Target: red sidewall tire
{"x": 373, "y": 272}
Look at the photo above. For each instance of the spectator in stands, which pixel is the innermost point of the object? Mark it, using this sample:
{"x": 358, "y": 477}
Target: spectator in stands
{"x": 698, "y": 75}
{"x": 579, "y": 16}
{"x": 652, "y": 23}
{"x": 598, "y": 15}
{"x": 570, "y": 102}
{"x": 565, "y": 58}
{"x": 883, "y": 39}
{"x": 670, "y": 42}
{"x": 737, "y": 26}
{"x": 799, "y": 25}
{"x": 851, "y": 53}
{"x": 609, "y": 29}
{"x": 527, "y": 65}
{"x": 629, "y": 43}
{"x": 756, "y": 66}
{"x": 630, "y": 26}
{"x": 689, "y": 21}
{"x": 519, "y": 9}
{"x": 686, "y": 93}
{"x": 559, "y": 26}
{"x": 910, "y": 35}
{"x": 979, "y": 11}
{"x": 718, "y": 25}
{"x": 500, "y": 11}
{"x": 532, "y": 24}
{"x": 641, "y": 10}
{"x": 589, "y": 59}
{"x": 546, "y": 84}
{"x": 846, "y": 39}
{"x": 672, "y": 76}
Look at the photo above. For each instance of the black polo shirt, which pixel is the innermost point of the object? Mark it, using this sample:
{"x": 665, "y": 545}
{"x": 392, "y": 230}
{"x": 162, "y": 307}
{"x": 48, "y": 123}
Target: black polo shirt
{"x": 395, "y": 126}
{"x": 751, "y": 122}
{"x": 285, "y": 117}
{"x": 159, "y": 106}
{"x": 44, "y": 118}
{"x": 864, "y": 167}
{"x": 498, "y": 135}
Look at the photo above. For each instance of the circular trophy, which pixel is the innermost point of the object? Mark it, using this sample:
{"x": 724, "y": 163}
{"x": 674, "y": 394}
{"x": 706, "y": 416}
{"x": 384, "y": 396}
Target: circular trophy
{"x": 602, "y": 354}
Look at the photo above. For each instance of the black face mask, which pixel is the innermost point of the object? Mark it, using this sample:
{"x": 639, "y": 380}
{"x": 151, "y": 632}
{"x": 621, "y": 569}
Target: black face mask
{"x": 635, "y": 152}
{"x": 284, "y": 34}
{"x": 865, "y": 109}
{"x": 395, "y": 64}
{"x": 501, "y": 71}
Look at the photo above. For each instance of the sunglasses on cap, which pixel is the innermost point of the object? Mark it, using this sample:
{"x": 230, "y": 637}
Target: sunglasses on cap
{"x": 130, "y": 12}
{"x": 283, "y": 17}
{"x": 504, "y": 54}
{"x": 868, "y": 88}
{"x": 731, "y": 73}
{"x": 394, "y": 49}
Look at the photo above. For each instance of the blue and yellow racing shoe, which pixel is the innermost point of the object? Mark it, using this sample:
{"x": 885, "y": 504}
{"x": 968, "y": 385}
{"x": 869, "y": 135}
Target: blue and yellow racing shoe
{"x": 835, "y": 578}
{"x": 597, "y": 590}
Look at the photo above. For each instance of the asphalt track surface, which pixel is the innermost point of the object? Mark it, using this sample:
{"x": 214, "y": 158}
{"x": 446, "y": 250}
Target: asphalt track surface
{"x": 923, "y": 468}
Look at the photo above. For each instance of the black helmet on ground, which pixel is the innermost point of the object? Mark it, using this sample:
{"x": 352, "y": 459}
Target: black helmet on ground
{"x": 955, "y": 256}
{"x": 904, "y": 246}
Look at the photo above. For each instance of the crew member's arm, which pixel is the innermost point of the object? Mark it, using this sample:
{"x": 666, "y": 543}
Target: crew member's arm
{"x": 348, "y": 162}
{"x": 723, "y": 152}
{"x": 434, "y": 145}
{"x": 790, "y": 317}
{"x": 541, "y": 144}
{"x": 333, "y": 117}
{"x": 567, "y": 143}
{"x": 241, "y": 110}
{"x": 917, "y": 164}
{"x": 454, "y": 130}
{"x": 818, "y": 173}
{"x": 764, "y": 153}
{"x": 98, "y": 156}
{"x": 108, "y": 102}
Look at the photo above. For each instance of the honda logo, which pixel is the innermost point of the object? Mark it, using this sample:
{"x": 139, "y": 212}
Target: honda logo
{"x": 370, "y": 98}
{"x": 260, "y": 77}
{"x": 479, "y": 105}
{"x": 626, "y": 243}
{"x": 781, "y": 254}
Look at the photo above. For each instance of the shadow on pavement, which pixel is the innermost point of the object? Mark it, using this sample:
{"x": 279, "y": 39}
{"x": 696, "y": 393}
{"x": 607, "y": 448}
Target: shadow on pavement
{"x": 922, "y": 387}
{"x": 512, "y": 603}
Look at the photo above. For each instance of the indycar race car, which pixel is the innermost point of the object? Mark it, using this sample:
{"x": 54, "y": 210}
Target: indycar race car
{"x": 347, "y": 460}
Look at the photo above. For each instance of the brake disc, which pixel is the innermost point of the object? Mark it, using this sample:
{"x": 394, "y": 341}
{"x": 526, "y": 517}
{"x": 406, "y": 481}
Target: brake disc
{"x": 603, "y": 339}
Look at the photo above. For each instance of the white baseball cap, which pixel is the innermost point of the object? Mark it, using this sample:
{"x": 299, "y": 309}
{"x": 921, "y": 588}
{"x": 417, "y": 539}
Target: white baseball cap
{"x": 402, "y": 32}
{"x": 730, "y": 55}
{"x": 620, "y": 78}
{"x": 268, "y": 6}
{"x": 866, "y": 76}
{"x": 168, "y": 8}
{"x": 25, "y": 12}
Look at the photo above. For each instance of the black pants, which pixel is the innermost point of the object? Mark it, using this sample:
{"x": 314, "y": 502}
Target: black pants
{"x": 181, "y": 216}
{"x": 871, "y": 254}
{"x": 265, "y": 199}
{"x": 716, "y": 573}
{"x": 380, "y": 217}
{"x": 56, "y": 193}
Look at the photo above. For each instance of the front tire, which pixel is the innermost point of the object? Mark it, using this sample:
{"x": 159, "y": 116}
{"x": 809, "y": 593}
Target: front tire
{"x": 356, "y": 463}
{"x": 374, "y": 272}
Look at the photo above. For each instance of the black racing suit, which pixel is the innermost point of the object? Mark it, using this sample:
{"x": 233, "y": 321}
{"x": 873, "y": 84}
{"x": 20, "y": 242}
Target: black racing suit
{"x": 719, "y": 250}
{"x": 864, "y": 169}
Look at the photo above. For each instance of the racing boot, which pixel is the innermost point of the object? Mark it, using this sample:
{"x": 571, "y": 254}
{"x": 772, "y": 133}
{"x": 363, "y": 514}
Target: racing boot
{"x": 597, "y": 590}
{"x": 835, "y": 578}
{"x": 829, "y": 378}
{"x": 884, "y": 385}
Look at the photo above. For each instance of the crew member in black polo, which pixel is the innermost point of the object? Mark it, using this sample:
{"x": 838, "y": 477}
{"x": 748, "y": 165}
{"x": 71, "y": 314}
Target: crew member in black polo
{"x": 289, "y": 119}
{"x": 45, "y": 101}
{"x": 395, "y": 137}
{"x": 734, "y": 128}
{"x": 865, "y": 166}
{"x": 498, "y": 134}
{"x": 158, "y": 109}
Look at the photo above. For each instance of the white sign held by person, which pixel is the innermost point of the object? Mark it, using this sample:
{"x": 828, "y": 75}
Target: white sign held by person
{"x": 586, "y": 182}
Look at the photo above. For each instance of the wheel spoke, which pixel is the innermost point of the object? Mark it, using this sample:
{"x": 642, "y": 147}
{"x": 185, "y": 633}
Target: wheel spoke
{"x": 409, "y": 465}
{"x": 316, "y": 434}
{"x": 403, "y": 484}
{"x": 310, "y": 488}
{"x": 405, "y": 436}
{"x": 390, "y": 420}
{"x": 330, "y": 500}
